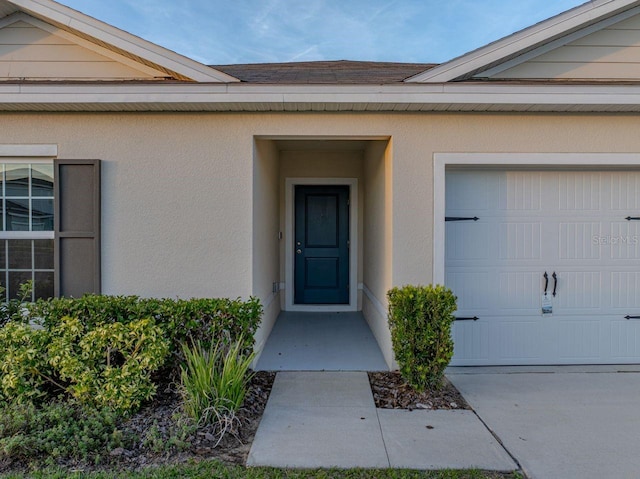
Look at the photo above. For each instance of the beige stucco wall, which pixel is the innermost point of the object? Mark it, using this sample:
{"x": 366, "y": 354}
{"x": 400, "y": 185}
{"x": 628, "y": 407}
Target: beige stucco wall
{"x": 378, "y": 244}
{"x": 266, "y": 249}
{"x": 177, "y": 189}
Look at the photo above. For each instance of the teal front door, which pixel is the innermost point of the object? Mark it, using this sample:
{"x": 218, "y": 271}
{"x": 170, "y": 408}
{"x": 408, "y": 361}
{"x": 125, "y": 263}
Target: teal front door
{"x": 321, "y": 245}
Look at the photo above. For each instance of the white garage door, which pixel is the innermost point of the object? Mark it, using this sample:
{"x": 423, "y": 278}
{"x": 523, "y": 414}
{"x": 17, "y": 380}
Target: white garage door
{"x": 581, "y": 228}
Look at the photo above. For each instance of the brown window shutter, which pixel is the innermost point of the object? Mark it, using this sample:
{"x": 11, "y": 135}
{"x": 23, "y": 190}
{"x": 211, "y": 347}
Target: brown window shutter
{"x": 77, "y": 227}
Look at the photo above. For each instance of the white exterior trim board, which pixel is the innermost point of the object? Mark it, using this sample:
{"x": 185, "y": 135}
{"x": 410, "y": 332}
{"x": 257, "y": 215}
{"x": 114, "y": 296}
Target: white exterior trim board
{"x": 31, "y": 153}
{"x": 290, "y": 183}
{"x": 523, "y": 40}
{"x": 506, "y": 161}
{"x": 223, "y": 97}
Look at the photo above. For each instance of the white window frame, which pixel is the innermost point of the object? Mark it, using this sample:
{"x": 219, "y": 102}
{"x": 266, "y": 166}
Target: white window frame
{"x": 28, "y": 154}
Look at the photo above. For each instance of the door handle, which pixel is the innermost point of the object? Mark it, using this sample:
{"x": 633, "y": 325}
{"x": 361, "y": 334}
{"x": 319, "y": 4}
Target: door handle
{"x": 546, "y": 281}
{"x": 555, "y": 283}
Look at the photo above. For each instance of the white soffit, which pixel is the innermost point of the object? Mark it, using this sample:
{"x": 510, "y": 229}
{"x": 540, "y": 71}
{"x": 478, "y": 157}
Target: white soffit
{"x": 120, "y": 41}
{"x": 525, "y": 41}
{"x": 457, "y": 96}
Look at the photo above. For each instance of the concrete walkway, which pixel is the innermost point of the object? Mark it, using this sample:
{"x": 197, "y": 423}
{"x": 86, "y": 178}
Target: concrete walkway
{"x": 329, "y": 419}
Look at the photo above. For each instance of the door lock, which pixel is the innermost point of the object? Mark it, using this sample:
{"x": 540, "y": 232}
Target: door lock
{"x": 299, "y": 251}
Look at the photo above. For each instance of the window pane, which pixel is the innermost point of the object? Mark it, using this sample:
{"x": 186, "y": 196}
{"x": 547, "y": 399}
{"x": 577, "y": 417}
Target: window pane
{"x": 3, "y": 284}
{"x": 17, "y": 180}
{"x": 19, "y": 254}
{"x": 16, "y": 278}
{"x": 42, "y": 180}
{"x": 17, "y": 215}
{"x": 43, "y": 285}
{"x": 43, "y": 254}
{"x": 42, "y": 219}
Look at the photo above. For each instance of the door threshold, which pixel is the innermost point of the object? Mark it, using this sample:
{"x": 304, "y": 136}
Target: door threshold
{"x": 321, "y": 308}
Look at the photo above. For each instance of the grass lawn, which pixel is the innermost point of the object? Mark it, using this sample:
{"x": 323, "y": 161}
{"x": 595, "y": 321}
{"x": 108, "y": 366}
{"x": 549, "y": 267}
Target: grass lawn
{"x": 215, "y": 469}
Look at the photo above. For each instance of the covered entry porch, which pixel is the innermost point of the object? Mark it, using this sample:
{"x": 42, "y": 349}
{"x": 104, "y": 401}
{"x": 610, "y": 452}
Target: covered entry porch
{"x": 321, "y": 342}
{"x": 322, "y": 217}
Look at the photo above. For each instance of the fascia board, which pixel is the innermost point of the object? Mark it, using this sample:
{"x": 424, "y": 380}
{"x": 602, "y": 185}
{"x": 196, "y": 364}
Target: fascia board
{"x": 425, "y": 94}
{"x": 523, "y": 40}
{"x": 47, "y": 9}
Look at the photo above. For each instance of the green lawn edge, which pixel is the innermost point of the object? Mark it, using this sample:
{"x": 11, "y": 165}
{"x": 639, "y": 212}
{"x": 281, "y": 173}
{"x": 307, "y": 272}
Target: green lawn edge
{"x": 216, "y": 469}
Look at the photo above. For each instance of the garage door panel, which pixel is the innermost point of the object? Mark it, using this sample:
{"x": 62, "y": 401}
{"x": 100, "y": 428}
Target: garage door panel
{"x": 623, "y": 242}
{"x": 579, "y": 340}
{"x": 625, "y": 340}
{"x": 578, "y": 292}
{"x": 624, "y": 192}
{"x": 471, "y": 341}
{"x": 581, "y": 191}
{"x": 568, "y": 222}
{"x": 467, "y": 241}
{"x": 625, "y": 291}
{"x": 520, "y": 241}
{"x": 471, "y": 191}
{"x": 469, "y": 288}
{"x": 520, "y": 191}
{"x": 520, "y": 341}
{"x": 519, "y": 292}
{"x": 576, "y": 240}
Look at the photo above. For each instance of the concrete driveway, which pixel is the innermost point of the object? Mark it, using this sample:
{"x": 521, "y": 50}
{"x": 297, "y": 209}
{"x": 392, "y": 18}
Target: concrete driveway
{"x": 561, "y": 422}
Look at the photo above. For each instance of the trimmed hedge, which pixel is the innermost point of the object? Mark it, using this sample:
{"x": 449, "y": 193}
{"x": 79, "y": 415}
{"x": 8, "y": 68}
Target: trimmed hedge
{"x": 420, "y": 319}
{"x": 111, "y": 351}
{"x": 209, "y": 321}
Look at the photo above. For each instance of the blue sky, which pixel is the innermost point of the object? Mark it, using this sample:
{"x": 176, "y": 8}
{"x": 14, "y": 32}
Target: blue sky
{"x": 255, "y": 31}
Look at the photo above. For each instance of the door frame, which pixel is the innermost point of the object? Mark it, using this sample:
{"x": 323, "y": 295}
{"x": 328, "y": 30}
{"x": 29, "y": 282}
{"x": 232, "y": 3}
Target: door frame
{"x": 290, "y": 184}
{"x": 506, "y": 161}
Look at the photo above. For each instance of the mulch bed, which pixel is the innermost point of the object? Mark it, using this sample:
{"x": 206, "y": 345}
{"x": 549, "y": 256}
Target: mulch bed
{"x": 160, "y": 416}
{"x": 391, "y": 392}
{"x": 234, "y": 446}
{"x": 165, "y": 445}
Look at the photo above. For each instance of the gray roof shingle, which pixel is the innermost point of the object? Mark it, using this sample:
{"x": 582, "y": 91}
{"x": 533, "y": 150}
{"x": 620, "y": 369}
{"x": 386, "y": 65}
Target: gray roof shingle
{"x": 325, "y": 72}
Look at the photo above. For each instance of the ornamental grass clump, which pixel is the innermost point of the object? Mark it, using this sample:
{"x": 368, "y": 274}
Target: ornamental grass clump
{"x": 214, "y": 383}
{"x": 420, "y": 319}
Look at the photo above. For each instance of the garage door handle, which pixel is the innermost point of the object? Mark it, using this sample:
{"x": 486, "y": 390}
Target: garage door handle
{"x": 475, "y": 318}
{"x": 555, "y": 283}
{"x": 459, "y": 218}
{"x": 632, "y": 218}
{"x": 546, "y": 281}
{"x": 631, "y": 317}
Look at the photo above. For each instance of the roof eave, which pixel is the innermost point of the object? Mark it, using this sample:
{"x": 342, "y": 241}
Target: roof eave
{"x": 472, "y": 97}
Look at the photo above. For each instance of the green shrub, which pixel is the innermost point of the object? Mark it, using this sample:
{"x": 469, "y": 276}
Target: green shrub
{"x": 23, "y": 362}
{"x": 109, "y": 365}
{"x": 214, "y": 380}
{"x": 184, "y": 321}
{"x": 420, "y": 319}
{"x": 57, "y": 430}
